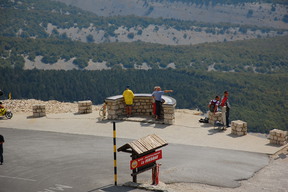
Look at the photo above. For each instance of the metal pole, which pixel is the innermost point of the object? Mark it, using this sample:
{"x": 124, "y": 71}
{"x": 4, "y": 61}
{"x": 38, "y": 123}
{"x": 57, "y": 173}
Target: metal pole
{"x": 115, "y": 155}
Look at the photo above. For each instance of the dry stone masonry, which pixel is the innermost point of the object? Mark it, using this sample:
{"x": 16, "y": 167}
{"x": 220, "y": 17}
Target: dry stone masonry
{"x": 39, "y": 110}
{"x": 84, "y": 107}
{"x": 116, "y": 106}
{"x": 169, "y": 114}
{"x": 214, "y": 117}
{"x": 278, "y": 137}
{"x": 238, "y": 127}
{"x": 143, "y": 106}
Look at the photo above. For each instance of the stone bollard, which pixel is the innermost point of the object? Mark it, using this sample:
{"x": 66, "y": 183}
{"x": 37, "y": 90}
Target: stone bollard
{"x": 214, "y": 117}
{"x": 278, "y": 137}
{"x": 84, "y": 107}
{"x": 39, "y": 110}
{"x": 239, "y": 127}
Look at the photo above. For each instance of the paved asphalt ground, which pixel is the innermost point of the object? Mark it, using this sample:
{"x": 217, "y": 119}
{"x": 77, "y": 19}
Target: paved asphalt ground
{"x": 40, "y": 161}
{"x": 37, "y": 161}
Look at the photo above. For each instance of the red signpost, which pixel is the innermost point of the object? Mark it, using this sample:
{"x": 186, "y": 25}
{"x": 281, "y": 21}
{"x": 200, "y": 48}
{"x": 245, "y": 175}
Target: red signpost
{"x": 150, "y": 158}
{"x": 144, "y": 156}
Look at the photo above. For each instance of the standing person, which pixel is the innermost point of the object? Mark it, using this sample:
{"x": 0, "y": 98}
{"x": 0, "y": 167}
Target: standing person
{"x": 1, "y": 149}
{"x": 213, "y": 104}
{"x": 157, "y": 95}
{"x": 225, "y": 103}
{"x": 153, "y": 103}
{"x": 128, "y": 98}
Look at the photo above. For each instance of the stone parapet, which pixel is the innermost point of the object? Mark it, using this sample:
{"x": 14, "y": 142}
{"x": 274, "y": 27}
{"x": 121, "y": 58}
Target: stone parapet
{"x": 278, "y": 137}
{"x": 142, "y": 106}
{"x": 84, "y": 107}
{"x": 39, "y": 110}
{"x": 238, "y": 127}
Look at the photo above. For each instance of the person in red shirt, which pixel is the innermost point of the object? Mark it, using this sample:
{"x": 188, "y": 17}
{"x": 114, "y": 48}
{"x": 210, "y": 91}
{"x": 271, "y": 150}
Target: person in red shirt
{"x": 225, "y": 102}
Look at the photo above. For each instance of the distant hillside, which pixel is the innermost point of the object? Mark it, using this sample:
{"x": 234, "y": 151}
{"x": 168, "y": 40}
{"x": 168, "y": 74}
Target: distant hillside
{"x": 259, "y": 99}
{"x": 197, "y": 48}
{"x": 254, "y": 56}
{"x": 264, "y": 13}
{"x": 44, "y": 19}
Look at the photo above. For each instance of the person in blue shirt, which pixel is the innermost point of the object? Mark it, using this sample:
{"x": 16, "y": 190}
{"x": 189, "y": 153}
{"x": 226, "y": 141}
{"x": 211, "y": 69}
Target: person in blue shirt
{"x": 157, "y": 96}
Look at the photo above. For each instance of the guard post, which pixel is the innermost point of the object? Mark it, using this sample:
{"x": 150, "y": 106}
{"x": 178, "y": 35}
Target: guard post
{"x": 144, "y": 156}
{"x": 114, "y": 153}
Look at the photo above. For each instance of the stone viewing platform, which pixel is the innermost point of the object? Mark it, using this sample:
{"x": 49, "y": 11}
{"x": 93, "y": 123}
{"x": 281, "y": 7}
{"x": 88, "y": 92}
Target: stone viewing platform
{"x": 142, "y": 107}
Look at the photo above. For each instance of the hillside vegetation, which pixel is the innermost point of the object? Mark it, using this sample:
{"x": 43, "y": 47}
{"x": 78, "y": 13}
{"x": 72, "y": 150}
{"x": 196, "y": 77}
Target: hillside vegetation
{"x": 43, "y": 19}
{"x": 261, "y": 100}
{"x": 53, "y": 35}
{"x": 265, "y": 13}
{"x": 260, "y": 55}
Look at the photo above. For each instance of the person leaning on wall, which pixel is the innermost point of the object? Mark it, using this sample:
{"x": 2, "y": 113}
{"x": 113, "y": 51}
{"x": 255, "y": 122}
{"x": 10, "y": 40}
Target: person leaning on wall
{"x": 157, "y": 96}
{"x": 128, "y": 98}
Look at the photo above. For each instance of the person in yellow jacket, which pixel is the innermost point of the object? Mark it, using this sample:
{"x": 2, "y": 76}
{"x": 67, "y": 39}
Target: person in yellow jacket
{"x": 128, "y": 98}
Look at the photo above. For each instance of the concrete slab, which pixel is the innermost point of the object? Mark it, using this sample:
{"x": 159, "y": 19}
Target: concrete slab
{"x": 51, "y": 161}
{"x": 186, "y": 130}
{"x": 38, "y": 161}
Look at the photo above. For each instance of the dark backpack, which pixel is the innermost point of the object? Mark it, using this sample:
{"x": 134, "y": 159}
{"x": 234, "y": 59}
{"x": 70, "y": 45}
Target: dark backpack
{"x": 212, "y": 105}
{"x": 205, "y": 120}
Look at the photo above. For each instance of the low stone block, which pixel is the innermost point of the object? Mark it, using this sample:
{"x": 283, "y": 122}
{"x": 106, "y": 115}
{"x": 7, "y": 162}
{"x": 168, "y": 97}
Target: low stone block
{"x": 278, "y": 137}
{"x": 239, "y": 127}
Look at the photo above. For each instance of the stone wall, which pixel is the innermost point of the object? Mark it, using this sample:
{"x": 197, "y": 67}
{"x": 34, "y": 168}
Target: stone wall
{"x": 278, "y": 137}
{"x": 143, "y": 106}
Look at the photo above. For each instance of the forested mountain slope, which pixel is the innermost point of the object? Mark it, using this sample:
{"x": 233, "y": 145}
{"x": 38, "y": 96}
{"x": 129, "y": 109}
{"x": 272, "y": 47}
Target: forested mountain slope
{"x": 44, "y": 18}
{"x": 259, "y": 55}
{"x": 248, "y": 56}
{"x": 259, "y": 99}
{"x": 265, "y": 13}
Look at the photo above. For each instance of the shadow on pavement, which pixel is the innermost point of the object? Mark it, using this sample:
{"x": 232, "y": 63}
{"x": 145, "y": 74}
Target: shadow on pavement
{"x": 235, "y": 136}
{"x": 113, "y": 188}
{"x": 281, "y": 156}
{"x": 215, "y": 130}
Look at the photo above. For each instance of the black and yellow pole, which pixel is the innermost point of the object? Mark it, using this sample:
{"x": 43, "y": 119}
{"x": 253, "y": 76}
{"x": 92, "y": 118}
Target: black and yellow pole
{"x": 115, "y": 155}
